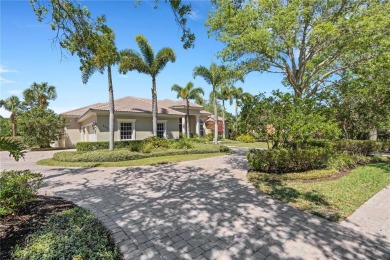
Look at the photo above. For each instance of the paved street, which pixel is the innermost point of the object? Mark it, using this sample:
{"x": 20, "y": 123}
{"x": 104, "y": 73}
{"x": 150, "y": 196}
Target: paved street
{"x": 206, "y": 209}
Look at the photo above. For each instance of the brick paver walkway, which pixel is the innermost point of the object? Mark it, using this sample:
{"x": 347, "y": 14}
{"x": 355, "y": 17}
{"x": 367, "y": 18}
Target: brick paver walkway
{"x": 206, "y": 209}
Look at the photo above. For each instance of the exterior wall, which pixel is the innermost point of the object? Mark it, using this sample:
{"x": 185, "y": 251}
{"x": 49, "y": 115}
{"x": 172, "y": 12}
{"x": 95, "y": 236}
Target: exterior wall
{"x": 71, "y": 134}
{"x": 143, "y": 127}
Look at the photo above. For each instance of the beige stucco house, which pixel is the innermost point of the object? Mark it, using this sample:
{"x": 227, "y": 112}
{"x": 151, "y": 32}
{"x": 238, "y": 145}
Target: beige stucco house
{"x": 133, "y": 121}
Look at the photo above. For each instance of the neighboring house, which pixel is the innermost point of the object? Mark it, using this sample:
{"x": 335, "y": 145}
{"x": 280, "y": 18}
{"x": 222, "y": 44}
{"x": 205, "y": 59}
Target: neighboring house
{"x": 209, "y": 124}
{"x": 133, "y": 121}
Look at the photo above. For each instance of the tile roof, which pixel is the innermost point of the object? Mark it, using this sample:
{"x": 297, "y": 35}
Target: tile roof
{"x": 128, "y": 104}
{"x": 80, "y": 111}
{"x": 177, "y": 103}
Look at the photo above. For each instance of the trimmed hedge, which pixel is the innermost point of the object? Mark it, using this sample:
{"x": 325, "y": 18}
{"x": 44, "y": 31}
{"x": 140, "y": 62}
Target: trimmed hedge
{"x": 92, "y": 146}
{"x": 126, "y": 155}
{"x": 246, "y": 139}
{"x": 285, "y": 160}
{"x": 363, "y": 147}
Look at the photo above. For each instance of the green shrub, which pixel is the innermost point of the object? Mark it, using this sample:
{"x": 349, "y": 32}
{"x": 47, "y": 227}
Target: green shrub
{"x": 209, "y": 137}
{"x": 385, "y": 146}
{"x": 287, "y": 160}
{"x": 156, "y": 142}
{"x": 71, "y": 234}
{"x": 17, "y": 188}
{"x": 320, "y": 143}
{"x": 134, "y": 145}
{"x": 125, "y": 155}
{"x": 183, "y": 143}
{"x": 246, "y": 138}
{"x": 224, "y": 149}
{"x": 363, "y": 147}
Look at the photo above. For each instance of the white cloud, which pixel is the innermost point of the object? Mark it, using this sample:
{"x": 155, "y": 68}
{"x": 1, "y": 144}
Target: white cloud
{"x": 4, "y": 113}
{"x": 4, "y": 70}
{"x": 194, "y": 15}
{"x": 6, "y": 81}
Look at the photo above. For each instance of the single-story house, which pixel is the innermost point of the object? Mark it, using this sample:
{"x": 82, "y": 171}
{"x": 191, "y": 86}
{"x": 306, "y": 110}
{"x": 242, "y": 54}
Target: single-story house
{"x": 133, "y": 121}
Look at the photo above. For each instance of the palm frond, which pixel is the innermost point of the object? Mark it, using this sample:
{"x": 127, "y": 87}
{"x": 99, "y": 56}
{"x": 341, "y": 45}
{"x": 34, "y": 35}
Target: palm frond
{"x": 131, "y": 60}
{"x": 162, "y": 58}
{"x": 146, "y": 49}
{"x": 87, "y": 68}
{"x": 15, "y": 148}
{"x": 178, "y": 90}
{"x": 203, "y": 72}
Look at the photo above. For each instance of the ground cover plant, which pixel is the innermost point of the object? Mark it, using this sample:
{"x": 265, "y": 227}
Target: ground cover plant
{"x": 71, "y": 234}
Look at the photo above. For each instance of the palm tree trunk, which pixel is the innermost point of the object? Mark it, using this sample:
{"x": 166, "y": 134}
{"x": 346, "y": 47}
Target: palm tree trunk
{"x": 188, "y": 119}
{"x": 236, "y": 116}
{"x": 223, "y": 119}
{"x": 112, "y": 109}
{"x": 13, "y": 122}
{"x": 215, "y": 118}
{"x": 154, "y": 106}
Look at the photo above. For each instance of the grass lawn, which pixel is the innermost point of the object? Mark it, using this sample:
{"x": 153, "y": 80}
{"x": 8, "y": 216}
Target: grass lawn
{"x": 228, "y": 142}
{"x": 139, "y": 162}
{"x": 336, "y": 199}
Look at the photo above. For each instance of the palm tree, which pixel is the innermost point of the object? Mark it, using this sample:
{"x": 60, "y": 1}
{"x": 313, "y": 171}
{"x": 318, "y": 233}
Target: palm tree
{"x": 187, "y": 93}
{"x": 103, "y": 56}
{"x": 39, "y": 94}
{"x": 13, "y": 105}
{"x": 225, "y": 94}
{"x": 215, "y": 76}
{"x": 237, "y": 94}
{"x": 146, "y": 63}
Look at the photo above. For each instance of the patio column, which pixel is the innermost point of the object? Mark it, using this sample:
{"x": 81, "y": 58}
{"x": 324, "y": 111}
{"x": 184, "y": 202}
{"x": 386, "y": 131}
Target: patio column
{"x": 183, "y": 125}
{"x": 197, "y": 125}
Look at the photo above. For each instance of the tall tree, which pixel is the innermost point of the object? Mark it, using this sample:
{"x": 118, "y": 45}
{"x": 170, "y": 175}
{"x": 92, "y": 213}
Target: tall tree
{"x": 216, "y": 77}
{"x": 90, "y": 39}
{"x": 186, "y": 93}
{"x": 147, "y": 63}
{"x": 13, "y": 105}
{"x": 309, "y": 42}
{"x": 103, "y": 56}
{"x": 39, "y": 94}
{"x": 225, "y": 94}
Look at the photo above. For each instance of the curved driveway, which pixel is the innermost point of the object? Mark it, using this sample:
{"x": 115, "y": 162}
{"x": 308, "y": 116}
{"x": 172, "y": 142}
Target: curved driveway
{"x": 205, "y": 209}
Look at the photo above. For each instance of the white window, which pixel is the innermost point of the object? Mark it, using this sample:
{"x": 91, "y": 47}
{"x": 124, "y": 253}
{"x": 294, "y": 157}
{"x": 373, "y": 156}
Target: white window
{"x": 161, "y": 127}
{"x": 126, "y": 129}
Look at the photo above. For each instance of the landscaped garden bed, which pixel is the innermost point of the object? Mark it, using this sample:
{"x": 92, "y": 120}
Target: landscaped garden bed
{"x": 150, "y": 151}
{"x": 45, "y": 227}
{"x": 324, "y": 178}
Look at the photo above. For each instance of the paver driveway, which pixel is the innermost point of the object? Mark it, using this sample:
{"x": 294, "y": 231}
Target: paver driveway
{"x": 201, "y": 209}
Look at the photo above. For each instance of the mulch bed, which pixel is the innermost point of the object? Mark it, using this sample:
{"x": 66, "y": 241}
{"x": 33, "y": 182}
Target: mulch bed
{"x": 16, "y": 227}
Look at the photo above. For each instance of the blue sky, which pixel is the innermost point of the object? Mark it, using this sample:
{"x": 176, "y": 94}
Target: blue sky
{"x": 28, "y": 54}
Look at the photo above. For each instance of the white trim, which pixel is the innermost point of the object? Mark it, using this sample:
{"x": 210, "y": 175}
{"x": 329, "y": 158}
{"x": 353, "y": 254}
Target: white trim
{"x": 132, "y": 121}
{"x": 165, "y": 126}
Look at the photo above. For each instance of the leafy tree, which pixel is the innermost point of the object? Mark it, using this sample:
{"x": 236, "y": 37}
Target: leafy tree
{"x": 68, "y": 18}
{"x": 90, "y": 39}
{"x": 14, "y": 147}
{"x": 309, "y": 42}
{"x": 186, "y": 93}
{"x": 214, "y": 76}
{"x": 147, "y": 63}
{"x": 225, "y": 94}
{"x": 39, "y": 94}
{"x": 5, "y": 126}
{"x": 288, "y": 121}
{"x": 40, "y": 126}
{"x": 13, "y": 105}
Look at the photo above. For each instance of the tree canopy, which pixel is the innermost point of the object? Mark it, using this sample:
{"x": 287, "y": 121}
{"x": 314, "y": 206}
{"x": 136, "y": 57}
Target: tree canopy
{"x": 309, "y": 42}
